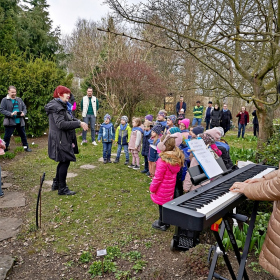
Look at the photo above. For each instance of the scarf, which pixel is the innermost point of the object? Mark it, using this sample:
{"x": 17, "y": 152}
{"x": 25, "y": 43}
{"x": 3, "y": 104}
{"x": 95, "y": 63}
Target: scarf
{"x": 147, "y": 133}
{"x": 138, "y": 128}
{"x": 107, "y": 125}
{"x": 123, "y": 127}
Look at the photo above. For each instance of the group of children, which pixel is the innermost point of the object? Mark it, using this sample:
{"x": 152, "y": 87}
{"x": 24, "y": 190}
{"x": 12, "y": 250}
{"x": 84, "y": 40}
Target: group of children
{"x": 165, "y": 152}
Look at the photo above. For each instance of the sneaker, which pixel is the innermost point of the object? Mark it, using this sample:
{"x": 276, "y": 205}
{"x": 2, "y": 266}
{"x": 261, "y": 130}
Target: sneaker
{"x": 84, "y": 141}
{"x": 136, "y": 167}
{"x": 109, "y": 161}
{"x": 117, "y": 160}
{"x": 94, "y": 143}
{"x": 148, "y": 173}
{"x": 2, "y": 194}
{"x": 126, "y": 162}
{"x": 144, "y": 171}
{"x": 28, "y": 150}
{"x": 105, "y": 160}
{"x": 130, "y": 166}
{"x": 159, "y": 225}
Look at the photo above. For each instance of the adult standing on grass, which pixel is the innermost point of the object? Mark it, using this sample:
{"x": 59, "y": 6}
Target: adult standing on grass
{"x": 62, "y": 142}
{"x": 89, "y": 107}
{"x": 268, "y": 189}
{"x": 243, "y": 119}
{"x": 14, "y": 110}
{"x": 197, "y": 114}
{"x": 226, "y": 117}
{"x": 255, "y": 123}
{"x": 208, "y": 112}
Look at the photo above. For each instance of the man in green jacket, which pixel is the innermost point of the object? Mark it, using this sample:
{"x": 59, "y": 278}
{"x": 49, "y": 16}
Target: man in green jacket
{"x": 197, "y": 114}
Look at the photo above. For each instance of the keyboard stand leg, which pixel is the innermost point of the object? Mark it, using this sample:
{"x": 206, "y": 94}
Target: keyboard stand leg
{"x": 234, "y": 244}
{"x": 248, "y": 240}
{"x": 215, "y": 257}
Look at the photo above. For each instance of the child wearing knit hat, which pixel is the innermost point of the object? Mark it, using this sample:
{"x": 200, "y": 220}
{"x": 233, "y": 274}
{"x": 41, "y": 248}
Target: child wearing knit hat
{"x": 134, "y": 145}
{"x": 183, "y": 125}
{"x": 107, "y": 134}
{"x": 149, "y": 118}
{"x": 156, "y": 133}
{"x": 146, "y": 145}
{"x": 161, "y": 119}
{"x": 171, "y": 121}
{"x": 122, "y": 135}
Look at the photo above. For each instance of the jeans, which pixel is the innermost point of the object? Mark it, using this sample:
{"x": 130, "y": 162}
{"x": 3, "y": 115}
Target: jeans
{"x": 125, "y": 148}
{"x": 92, "y": 120}
{"x": 241, "y": 127}
{"x": 1, "y": 192}
{"x": 107, "y": 147}
{"x": 196, "y": 120}
{"x": 207, "y": 123}
{"x": 9, "y": 130}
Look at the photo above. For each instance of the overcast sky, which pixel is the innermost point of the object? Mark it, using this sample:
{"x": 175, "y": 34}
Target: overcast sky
{"x": 64, "y": 13}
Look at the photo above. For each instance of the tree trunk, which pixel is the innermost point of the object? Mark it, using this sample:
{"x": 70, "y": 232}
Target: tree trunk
{"x": 265, "y": 118}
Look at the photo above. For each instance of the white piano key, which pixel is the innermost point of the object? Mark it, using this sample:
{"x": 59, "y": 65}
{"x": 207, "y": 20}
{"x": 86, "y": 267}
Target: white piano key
{"x": 225, "y": 199}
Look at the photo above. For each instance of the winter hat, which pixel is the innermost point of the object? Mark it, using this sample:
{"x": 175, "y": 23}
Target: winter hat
{"x": 198, "y": 129}
{"x": 173, "y": 130}
{"x": 207, "y": 138}
{"x": 186, "y": 122}
{"x": 162, "y": 113}
{"x": 162, "y": 145}
{"x": 107, "y": 116}
{"x": 157, "y": 129}
{"x": 215, "y": 133}
{"x": 221, "y": 131}
{"x": 60, "y": 90}
{"x": 172, "y": 118}
{"x": 179, "y": 139}
{"x": 149, "y": 118}
{"x": 125, "y": 118}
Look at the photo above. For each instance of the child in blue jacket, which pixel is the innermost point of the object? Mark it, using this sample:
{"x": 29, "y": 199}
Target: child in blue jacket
{"x": 107, "y": 134}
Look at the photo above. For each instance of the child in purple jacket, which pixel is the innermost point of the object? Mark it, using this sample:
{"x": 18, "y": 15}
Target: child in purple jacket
{"x": 163, "y": 184}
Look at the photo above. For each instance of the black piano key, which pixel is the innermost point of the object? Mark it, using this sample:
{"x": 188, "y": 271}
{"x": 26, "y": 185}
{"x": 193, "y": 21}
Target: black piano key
{"x": 188, "y": 207}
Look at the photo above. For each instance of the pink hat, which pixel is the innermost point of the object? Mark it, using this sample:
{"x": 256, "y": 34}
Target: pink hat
{"x": 215, "y": 133}
{"x": 186, "y": 122}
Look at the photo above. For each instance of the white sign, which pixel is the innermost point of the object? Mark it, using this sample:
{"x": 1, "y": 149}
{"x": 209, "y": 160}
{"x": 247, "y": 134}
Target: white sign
{"x": 204, "y": 157}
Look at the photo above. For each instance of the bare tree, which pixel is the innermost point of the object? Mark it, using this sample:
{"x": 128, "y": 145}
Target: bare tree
{"x": 237, "y": 41}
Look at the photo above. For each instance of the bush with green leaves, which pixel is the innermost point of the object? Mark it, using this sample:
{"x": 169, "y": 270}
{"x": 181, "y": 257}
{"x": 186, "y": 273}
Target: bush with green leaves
{"x": 35, "y": 81}
{"x": 242, "y": 154}
{"x": 270, "y": 152}
{"x": 257, "y": 238}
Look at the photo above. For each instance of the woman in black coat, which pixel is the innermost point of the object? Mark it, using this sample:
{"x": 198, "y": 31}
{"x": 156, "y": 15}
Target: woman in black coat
{"x": 62, "y": 142}
{"x": 225, "y": 118}
{"x": 215, "y": 117}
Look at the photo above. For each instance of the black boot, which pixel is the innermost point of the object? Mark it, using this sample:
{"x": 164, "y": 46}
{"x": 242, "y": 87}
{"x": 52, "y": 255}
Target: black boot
{"x": 55, "y": 184}
{"x": 63, "y": 190}
{"x": 117, "y": 160}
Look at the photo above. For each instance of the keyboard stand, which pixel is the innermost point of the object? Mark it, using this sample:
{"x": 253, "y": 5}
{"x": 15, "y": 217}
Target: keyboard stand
{"x": 220, "y": 250}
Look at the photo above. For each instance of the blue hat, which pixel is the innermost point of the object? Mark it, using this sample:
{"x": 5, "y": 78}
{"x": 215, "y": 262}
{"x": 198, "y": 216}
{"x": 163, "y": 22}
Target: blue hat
{"x": 157, "y": 129}
{"x": 174, "y": 130}
{"x": 172, "y": 118}
{"x": 198, "y": 129}
{"x": 107, "y": 116}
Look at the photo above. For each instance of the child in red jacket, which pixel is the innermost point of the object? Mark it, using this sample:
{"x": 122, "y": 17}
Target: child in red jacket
{"x": 163, "y": 184}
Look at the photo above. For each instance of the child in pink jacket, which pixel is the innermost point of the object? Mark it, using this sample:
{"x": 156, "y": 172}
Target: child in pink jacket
{"x": 171, "y": 159}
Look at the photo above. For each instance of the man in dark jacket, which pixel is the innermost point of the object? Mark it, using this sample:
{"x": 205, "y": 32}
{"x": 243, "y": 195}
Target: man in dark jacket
{"x": 14, "y": 110}
{"x": 181, "y": 105}
{"x": 255, "y": 123}
{"x": 243, "y": 119}
{"x": 225, "y": 118}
